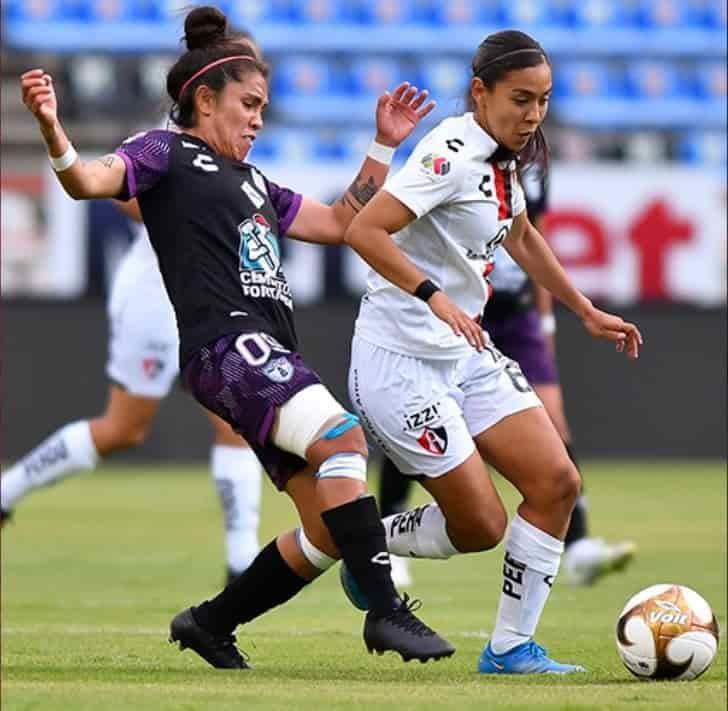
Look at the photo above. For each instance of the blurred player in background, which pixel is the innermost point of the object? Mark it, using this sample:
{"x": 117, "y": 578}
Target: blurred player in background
{"x": 520, "y": 321}
{"x": 431, "y": 389}
{"x": 215, "y": 222}
{"x": 142, "y": 367}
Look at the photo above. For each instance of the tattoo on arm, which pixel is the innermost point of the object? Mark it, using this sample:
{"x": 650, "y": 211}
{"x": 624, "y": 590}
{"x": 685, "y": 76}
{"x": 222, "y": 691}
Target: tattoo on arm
{"x": 361, "y": 190}
{"x": 107, "y": 161}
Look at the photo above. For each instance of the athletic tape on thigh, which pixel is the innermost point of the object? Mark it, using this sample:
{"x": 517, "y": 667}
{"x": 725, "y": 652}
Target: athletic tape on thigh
{"x": 313, "y": 555}
{"x": 344, "y": 465}
{"x": 303, "y": 417}
{"x": 350, "y": 421}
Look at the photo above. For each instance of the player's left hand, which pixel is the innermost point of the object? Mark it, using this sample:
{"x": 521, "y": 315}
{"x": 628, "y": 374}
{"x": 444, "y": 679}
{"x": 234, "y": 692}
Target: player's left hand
{"x": 625, "y": 335}
{"x": 399, "y": 112}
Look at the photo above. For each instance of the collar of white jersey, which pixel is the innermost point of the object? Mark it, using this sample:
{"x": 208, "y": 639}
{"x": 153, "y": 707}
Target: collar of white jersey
{"x": 485, "y": 142}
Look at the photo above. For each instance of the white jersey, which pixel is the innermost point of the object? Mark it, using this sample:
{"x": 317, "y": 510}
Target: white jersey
{"x": 464, "y": 207}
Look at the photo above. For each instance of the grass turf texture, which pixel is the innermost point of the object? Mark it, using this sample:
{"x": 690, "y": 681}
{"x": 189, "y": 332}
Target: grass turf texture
{"x": 93, "y": 570}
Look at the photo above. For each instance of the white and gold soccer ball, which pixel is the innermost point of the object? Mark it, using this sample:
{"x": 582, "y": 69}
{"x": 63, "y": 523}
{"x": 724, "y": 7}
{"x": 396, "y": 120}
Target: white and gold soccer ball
{"x": 667, "y": 632}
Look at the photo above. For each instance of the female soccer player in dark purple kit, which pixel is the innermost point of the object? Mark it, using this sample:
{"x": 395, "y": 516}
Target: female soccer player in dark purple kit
{"x": 215, "y": 223}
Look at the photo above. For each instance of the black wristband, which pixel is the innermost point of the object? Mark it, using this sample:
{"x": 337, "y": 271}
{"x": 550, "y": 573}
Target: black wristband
{"x": 426, "y": 289}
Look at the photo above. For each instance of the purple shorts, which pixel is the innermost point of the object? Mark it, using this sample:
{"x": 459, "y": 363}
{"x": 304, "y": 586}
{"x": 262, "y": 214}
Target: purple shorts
{"x": 244, "y": 383}
{"x": 519, "y": 337}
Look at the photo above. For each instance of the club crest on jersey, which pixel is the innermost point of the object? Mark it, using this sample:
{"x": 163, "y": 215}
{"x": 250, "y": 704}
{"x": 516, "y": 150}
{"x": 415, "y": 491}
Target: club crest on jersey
{"x": 152, "y": 367}
{"x": 436, "y": 164}
{"x": 258, "y": 246}
{"x": 434, "y": 440}
{"x": 279, "y": 370}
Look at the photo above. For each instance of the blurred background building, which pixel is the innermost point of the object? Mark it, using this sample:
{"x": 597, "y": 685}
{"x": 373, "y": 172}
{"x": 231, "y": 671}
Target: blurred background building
{"x": 637, "y": 128}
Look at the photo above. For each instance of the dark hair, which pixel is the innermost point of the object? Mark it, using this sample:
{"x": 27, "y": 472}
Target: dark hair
{"x": 208, "y": 39}
{"x": 496, "y": 56}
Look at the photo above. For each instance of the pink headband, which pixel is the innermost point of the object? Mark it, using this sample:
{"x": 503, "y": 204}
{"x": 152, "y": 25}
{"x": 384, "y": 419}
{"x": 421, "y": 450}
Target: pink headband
{"x": 210, "y": 66}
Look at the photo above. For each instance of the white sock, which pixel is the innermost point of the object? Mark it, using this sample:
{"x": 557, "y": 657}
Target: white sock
{"x": 237, "y": 474}
{"x": 531, "y": 562}
{"x": 419, "y": 533}
{"x": 67, "y": 451}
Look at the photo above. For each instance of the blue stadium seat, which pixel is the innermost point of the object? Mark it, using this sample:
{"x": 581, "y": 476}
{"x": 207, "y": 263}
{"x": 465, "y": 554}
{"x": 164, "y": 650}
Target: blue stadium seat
{"x": 710, "y": 81}
{"x": 320, "y": 11}
{"x": 372, "y": 76}
{"x": 283, "y": 143}
{"x": 444, "y": 77}
{"x": 386, "y": 12}
{"x": 654, "y": 80}
{"x": 596, "y": 14}
{"x": 667, "y": 14}
{"x": 703, "y": 147}
{"x": 44, "y": 10}
{"x": 527, "y": 13}
{"x": 248, "y": 13}
{"x": 585, "y": 80}
{"x": 715, "y": 14}
{"x": 304, "y": 76}
{"x": 464, "y": 12}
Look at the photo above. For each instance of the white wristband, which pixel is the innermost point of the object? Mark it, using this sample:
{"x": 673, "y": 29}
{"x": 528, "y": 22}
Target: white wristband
{"x": 548, "y": 324}
{"x": 380, "y": 153}
{"x": 65, "y": 161}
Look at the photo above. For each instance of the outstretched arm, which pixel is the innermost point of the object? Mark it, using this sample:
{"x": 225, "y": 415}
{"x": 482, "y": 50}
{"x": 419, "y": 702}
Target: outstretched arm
{"x": 397, "y": 116}
{"x": 526, "y": 245}
{"x": 100, "y": 178}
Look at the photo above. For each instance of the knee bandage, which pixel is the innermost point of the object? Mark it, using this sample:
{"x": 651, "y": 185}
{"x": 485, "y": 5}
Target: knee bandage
{"x": 302, "y": 419}
{"x": 344, "y": 465}
{"x": 313, "y": 555}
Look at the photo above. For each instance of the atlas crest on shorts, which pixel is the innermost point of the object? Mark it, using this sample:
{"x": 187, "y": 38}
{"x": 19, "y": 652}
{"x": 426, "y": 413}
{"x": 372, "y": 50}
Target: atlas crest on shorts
{"x": 258, "y": 246}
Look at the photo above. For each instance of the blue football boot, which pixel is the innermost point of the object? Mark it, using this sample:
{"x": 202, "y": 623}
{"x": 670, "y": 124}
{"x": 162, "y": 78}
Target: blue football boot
{"x": 352, "y": 590}
{"x": 526, "y": 658}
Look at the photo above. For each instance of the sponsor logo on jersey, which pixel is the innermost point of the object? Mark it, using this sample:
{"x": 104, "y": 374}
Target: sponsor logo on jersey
{"x": 152, "y": 367}
{"x": 206, "y": 163}
{"x": 279, "y": 370}
{"x": 437, "y": 165}
{"x": 260, "y": 262}
{"x": 434, "y": 440}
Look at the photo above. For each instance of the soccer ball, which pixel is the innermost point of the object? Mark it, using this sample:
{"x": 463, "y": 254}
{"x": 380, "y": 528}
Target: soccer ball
{"x": 667, "y": 632}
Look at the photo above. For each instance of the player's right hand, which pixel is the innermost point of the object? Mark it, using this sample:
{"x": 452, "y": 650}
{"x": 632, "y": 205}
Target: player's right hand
{"x": 39, "y": 96}
{"x": 462, "y": 325}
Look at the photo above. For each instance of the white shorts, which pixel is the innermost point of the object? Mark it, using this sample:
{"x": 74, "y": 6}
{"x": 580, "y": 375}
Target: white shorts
{"x": 424, "y": 414}
{"x": 143, "y": 344}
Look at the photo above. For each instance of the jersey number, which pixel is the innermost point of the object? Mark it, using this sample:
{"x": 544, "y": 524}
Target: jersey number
{"x": 518, "y": 378}
{"x": 257, "y": 347}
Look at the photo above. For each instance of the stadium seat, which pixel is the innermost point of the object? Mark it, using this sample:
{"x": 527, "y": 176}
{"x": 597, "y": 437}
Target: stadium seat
{"x": 304, "y": 76}
{"x": 386, "y": 12}
{"x": 464, "y": 12}
{"x": 596, "y": 14}
{"x": 372, "y": 76}
{"x": 444, "y": 77}
{"x": 44, "y": 10}
{"x": 320, "y": 11}
{"x": 527, "y": 13}
{"x": 710, "y": 81}
{"x": 585, "y": 80}
{"x": 654, "y": 80}
{"x": 248, "y": 13}
{"x": 668, "y": 14}
{"x": 702, "y": 147}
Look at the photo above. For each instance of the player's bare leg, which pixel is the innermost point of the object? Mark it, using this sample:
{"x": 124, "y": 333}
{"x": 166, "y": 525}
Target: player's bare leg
{"x": 77, "y": 447}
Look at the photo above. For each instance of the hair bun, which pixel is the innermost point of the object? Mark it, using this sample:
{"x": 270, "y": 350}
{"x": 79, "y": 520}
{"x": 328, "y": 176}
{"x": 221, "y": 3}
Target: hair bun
{"x": 205, "y": 26}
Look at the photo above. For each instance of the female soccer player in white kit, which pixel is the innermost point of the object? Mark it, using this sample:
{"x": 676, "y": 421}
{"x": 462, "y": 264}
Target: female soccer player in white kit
{"x": 437, "y": 406}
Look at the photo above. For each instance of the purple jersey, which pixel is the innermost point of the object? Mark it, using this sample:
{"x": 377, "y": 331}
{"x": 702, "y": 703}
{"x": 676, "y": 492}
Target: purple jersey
{"x": 215, "y": 224}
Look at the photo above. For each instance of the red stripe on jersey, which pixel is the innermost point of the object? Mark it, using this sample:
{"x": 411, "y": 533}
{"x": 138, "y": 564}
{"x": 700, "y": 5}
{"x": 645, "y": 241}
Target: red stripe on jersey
{"x": 503, "y": 191}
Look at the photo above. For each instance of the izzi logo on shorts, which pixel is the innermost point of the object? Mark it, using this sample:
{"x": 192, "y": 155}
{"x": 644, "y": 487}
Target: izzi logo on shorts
{"x": 260, "y": 262}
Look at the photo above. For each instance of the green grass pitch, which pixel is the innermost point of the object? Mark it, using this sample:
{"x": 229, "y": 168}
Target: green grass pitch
{"x": 93, "y": 570}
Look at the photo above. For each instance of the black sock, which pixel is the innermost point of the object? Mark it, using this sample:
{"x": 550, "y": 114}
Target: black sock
{"x": 577, "y": 526}
{"x": 267, "y": 582}
{"x": 359, "y": 535}
{"x": 394, "y": 488}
